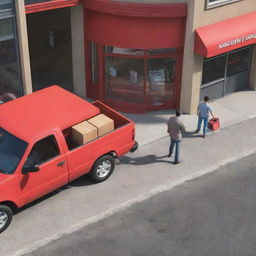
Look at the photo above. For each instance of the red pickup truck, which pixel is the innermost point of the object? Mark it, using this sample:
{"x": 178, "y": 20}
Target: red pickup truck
{"x": 38, "y": 153}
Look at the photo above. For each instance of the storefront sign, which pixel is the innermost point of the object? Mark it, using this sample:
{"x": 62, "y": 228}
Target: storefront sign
{"x": 237, "y": 41}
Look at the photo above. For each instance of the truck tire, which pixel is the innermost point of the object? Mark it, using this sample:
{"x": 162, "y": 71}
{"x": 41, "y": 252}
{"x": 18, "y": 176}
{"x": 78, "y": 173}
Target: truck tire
{"x": 5, "y": 217}
{"x": 102, "y": 168}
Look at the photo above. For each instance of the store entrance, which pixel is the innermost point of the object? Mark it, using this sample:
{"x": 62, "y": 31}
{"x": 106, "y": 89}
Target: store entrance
{"x": 50, "y": 48}
{"x": 134, "y": 80}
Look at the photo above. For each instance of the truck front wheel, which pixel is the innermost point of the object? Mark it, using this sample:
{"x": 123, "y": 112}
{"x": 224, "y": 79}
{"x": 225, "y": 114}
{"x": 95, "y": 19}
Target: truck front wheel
{"x": 5, "y": 217}
{"x": 102, "y": 168}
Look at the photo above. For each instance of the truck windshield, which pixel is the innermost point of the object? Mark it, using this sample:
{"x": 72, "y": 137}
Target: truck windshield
{"x": 11, "y": 151}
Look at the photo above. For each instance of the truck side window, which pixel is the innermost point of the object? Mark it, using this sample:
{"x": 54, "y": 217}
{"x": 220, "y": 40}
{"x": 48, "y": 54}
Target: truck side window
{"x": 43, "y": 151}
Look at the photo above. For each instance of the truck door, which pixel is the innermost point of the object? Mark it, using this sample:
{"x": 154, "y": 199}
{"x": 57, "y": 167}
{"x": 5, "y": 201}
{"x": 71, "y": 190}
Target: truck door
{"x": 52, "y": 173}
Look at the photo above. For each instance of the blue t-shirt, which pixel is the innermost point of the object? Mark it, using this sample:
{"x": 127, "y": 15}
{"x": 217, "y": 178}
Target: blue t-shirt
{"x": 204, "y": 109}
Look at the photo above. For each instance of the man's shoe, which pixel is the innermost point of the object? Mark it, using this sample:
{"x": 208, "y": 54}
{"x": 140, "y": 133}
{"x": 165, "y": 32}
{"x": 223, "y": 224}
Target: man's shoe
{"x": 177, "y": 162}
{"x": 197, "y": 131}
{"x": 169, "y": 155}
{"x": 204, "y": 136}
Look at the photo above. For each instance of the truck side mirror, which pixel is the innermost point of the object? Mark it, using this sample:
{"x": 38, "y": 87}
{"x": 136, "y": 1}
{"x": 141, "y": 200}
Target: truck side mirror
{"x": 27, "y": 169}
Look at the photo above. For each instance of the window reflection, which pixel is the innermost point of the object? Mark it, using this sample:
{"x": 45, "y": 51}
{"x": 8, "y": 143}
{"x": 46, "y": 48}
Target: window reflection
{"x": 134, "y": 79}
{"x": 161, "y": 77}
{"x": 5, "y": 5}
{"x": 214, "y": 69}
{"x": 124, "y": 79}
{"x": 238, "y": 62}
{"x": 9, "y": 76}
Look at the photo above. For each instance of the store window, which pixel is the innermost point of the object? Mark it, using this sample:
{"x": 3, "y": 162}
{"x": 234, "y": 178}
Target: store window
{"x": 214, "y": 3}
{"x": 10, "y": 82}
{"x": 218, "y": 68}
{"x": 238, "y": 62}
{"x": 124, "y": 79}
{"x": 214, "y": 69}
{"x": 5, "y": 5}
{"x": 140, "y": 76}
{"x": 226, "y": 73}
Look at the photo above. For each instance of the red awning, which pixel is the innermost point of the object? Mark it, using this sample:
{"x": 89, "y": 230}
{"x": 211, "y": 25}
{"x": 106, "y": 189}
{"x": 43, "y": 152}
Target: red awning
{"x": 226, "y": 36}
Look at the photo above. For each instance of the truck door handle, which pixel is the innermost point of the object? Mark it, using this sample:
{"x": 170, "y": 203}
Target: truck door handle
{"x": 61, "y": 163}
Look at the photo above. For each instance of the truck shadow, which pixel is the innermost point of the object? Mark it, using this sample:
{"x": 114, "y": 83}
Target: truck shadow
{"x": 149, "y": 159}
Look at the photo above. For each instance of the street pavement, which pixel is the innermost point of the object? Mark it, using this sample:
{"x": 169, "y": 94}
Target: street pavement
{"x": 213, "y": 215}
{"x": 138, "y": 176}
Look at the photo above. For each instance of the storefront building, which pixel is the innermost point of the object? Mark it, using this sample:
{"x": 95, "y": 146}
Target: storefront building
{"x": 135, "y": 55}
{"x": 219, "y": 52}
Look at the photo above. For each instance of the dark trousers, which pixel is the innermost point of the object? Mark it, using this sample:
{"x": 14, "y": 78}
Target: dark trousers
{"x": 177, "y": 149}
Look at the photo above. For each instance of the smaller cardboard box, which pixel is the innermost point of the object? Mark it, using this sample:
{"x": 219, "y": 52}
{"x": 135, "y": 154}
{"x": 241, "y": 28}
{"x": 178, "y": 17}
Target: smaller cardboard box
{"x": 103, "y": 123}
{"x": 84, "y": 132}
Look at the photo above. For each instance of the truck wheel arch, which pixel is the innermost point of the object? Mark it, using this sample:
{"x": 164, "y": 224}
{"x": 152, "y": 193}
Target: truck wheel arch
{"x": 10, "y": 204}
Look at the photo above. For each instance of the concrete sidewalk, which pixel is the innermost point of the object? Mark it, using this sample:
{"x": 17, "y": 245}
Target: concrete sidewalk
{"x": 232, "y": 109}
{"x": 138, "y": 176}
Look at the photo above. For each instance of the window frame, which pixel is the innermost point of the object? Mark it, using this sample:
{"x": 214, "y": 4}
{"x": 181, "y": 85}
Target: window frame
{"x": 218, "y": 3}
{"x": 48, "y": 160}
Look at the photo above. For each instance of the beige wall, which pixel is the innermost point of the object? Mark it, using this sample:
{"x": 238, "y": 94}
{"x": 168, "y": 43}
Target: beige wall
{"x": 192, "y": 63}
{"x": 78, "y": 57}
{"x": 23, "y": 46}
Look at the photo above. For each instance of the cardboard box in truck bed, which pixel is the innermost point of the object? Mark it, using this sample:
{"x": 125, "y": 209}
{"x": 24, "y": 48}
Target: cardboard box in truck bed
{"x": 84, "y": 132}
{"x": 103, "y": 123}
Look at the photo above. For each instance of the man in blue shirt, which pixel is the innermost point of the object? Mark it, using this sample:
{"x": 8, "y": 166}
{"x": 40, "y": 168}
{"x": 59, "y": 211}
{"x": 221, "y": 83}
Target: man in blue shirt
{"x": 203, "y": 110}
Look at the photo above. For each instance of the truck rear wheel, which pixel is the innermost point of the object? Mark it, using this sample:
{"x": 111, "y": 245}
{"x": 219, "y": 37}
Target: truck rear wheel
{"x": 102, "y": 168}
{"x": 5, "y": 217}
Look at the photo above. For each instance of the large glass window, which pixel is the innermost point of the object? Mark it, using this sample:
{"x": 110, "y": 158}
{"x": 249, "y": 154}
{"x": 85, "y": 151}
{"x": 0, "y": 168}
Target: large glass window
{"x": 214, "y": 69}
{"x": 9, "y": 75}
{"x": 10, "y": 82}
{"x": 5, "y": 5}
{"x": 226, "y": 65}
{"x": 161, "y": 77}
{"x": 124, "y": 79}
{"x": 139, "y": 75}
{"x": 238, "y": 62}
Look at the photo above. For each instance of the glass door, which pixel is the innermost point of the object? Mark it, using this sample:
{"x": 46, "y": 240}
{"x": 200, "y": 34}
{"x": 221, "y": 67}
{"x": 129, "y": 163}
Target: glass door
{"x": 160, "y": 82}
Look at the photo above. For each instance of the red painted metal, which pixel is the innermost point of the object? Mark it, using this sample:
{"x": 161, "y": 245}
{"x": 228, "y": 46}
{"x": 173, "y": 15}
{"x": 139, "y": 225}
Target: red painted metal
{"x": 137, "y": 9}
{"x": 134, "y": 32}
{"x": 50, "y": 5}
{"x": 226, "y": 36}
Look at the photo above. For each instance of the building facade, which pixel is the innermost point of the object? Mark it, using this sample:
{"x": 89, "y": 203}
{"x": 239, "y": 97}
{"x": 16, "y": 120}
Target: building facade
{"x": 137, "y": 55}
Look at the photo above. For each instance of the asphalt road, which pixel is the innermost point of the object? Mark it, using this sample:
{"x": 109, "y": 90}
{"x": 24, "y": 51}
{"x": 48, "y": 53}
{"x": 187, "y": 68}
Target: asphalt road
{"x": 211, "y": 216}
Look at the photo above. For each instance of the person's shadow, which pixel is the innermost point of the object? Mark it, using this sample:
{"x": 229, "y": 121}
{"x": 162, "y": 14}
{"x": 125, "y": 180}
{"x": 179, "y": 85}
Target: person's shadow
{"x": 149, "y": 159}
{"x": 191, "y": 135}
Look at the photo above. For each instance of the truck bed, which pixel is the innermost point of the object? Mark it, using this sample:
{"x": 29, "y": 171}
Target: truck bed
{"x": 119, "y": 121}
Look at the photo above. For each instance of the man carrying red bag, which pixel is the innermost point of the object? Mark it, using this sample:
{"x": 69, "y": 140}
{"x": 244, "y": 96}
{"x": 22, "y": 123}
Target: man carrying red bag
{"x": 203, "y": 110}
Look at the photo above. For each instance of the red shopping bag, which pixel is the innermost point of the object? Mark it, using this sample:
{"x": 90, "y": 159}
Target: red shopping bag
{"x": 214, "y": 124}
